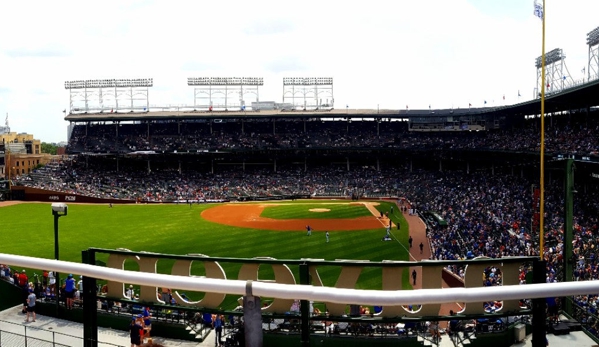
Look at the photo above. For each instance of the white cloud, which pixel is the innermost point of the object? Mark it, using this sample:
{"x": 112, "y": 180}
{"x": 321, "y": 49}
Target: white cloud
{"x": 391, "y": 54}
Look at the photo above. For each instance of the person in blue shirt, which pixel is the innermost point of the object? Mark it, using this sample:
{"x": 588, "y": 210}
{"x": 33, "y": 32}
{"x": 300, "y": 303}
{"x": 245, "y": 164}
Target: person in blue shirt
{"x": 217, "y": 324}
{"x": 147, "y": 322}
{"x": 69, "y": 290}
{"x": 552, "y": 309}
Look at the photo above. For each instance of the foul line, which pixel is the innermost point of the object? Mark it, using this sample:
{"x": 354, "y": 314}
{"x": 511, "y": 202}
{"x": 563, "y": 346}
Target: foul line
{"x": 395, "y": 238}
{"x": 404, "y": 247}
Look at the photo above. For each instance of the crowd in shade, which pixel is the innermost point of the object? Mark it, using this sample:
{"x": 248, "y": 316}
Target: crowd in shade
{"x": 563, "y": 136}
{"x": 169, "y": 185}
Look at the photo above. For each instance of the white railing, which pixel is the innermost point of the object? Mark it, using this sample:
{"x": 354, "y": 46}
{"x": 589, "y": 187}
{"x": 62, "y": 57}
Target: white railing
{"x": 315, "y": 293}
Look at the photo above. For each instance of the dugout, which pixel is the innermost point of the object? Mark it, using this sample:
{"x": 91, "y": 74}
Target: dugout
{"x": 435, "y": 218}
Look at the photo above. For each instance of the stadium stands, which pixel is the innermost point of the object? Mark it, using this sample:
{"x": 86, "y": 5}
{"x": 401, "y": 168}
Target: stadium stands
{"x": 487, "y": 208}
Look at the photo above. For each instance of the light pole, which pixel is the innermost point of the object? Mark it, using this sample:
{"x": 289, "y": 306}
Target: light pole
{"x": 58, "y": 210}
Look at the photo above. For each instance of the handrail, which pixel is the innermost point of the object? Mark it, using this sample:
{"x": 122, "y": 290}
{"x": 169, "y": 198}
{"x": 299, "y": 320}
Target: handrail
{"x": 6, "y": 329}
{"x": 315, "y": 293}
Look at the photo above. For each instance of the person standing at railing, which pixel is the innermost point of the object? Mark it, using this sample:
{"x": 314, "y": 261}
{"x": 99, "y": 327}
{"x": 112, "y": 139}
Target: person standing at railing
{"x": 147, "y": 317}
{"x": 69, "y": 290}
{"x": 52, "y": 282}
{"x": 130, "y": 293}
{"x": 166, "y": 295}
{"x": 433, "y": 329}
{"x": 217, "y": 324}
{"x": 31, "y": 305}
{"x": 45, "y": 279}
{"x": 23, "y": 282}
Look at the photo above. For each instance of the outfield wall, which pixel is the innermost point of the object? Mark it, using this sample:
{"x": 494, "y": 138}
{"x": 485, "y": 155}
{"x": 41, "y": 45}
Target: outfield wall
{"x": 42, "y": 195}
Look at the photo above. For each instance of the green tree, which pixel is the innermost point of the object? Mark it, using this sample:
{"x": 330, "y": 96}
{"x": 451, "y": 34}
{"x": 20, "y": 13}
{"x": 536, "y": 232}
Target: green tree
{"x": 49, "y": 148}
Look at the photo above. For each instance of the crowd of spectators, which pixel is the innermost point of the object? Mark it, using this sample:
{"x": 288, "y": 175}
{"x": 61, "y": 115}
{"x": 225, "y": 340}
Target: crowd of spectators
{"x": 563, "y": 136}
{"x": 70, "y": 176}
{"x": 43, "y": 285}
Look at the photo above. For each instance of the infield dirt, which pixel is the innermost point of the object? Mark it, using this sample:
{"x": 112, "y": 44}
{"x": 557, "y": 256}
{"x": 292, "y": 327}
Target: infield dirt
{"x": 248, "y": 216}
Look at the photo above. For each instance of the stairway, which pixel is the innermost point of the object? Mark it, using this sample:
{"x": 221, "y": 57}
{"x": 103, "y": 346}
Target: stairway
{"x": 198, "y": 330}
{"x": 462, "y": 338}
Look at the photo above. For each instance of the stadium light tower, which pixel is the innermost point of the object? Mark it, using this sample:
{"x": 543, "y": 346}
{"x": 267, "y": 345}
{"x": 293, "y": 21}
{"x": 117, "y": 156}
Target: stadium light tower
{"x": 306, "y": 89}
{"x": 135, "y": 91}
{"x": 207, "y": 90}
{"x": 593, "y": 43}
{"x": 557, "y": 76}
{"x": 58, "y": 210}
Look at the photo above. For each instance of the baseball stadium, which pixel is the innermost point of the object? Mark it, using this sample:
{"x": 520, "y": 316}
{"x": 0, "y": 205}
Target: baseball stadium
{"x": 360, "y": 227}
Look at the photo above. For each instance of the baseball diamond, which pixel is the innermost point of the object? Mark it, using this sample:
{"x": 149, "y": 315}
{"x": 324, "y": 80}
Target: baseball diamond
{"x": 384, "y": 174}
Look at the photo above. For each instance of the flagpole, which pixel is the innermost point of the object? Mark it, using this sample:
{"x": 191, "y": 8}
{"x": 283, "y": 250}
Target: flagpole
{"x": 542, "y": 183}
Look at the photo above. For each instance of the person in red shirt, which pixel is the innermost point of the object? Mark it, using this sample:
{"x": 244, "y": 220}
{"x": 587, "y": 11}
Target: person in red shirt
{"x": 23, "y": 279}
{"x": 23, "y": 282}
{"x": 45, "y": 279}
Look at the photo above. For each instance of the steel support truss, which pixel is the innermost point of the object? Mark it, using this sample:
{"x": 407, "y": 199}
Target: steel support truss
{"x": 309, "y": 93}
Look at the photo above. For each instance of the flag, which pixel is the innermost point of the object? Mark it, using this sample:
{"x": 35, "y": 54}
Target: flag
{"x": 469, "y": 105}
{"x": 243, "y": 107}
{"x": 564, "y": 78}
{"x": 406, "y": 107}
{"x": 485, "y": 102}
{"x": 111, "y": 110}
{"x": 538, "y": 11}
{"x": 583, "y": 70}
{"x": 519, "y": 94}
{"x": 503, "y": 96}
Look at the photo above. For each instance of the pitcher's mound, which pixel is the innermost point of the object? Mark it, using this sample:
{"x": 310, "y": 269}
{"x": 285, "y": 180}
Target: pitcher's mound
{"x": 319, "y": 210}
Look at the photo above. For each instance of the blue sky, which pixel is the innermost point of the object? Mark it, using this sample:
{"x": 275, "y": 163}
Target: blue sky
{"x": 387, "y": 53}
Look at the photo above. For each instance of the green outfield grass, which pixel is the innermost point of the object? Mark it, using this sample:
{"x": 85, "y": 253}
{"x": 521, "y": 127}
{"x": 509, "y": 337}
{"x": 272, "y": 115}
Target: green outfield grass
{"x": 178, "y": 229}
{"x": 302, "y": 210}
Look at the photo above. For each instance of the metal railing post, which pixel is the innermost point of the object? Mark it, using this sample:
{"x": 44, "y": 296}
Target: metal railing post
{"x": 252, "y": 318}
{"x": 90, "y": 314}
{"x": 305, "y": 307}
{"x": 538, "y": 307}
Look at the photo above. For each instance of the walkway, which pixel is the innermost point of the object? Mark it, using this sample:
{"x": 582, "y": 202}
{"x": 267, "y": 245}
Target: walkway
{"x": 71, "y": 333}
